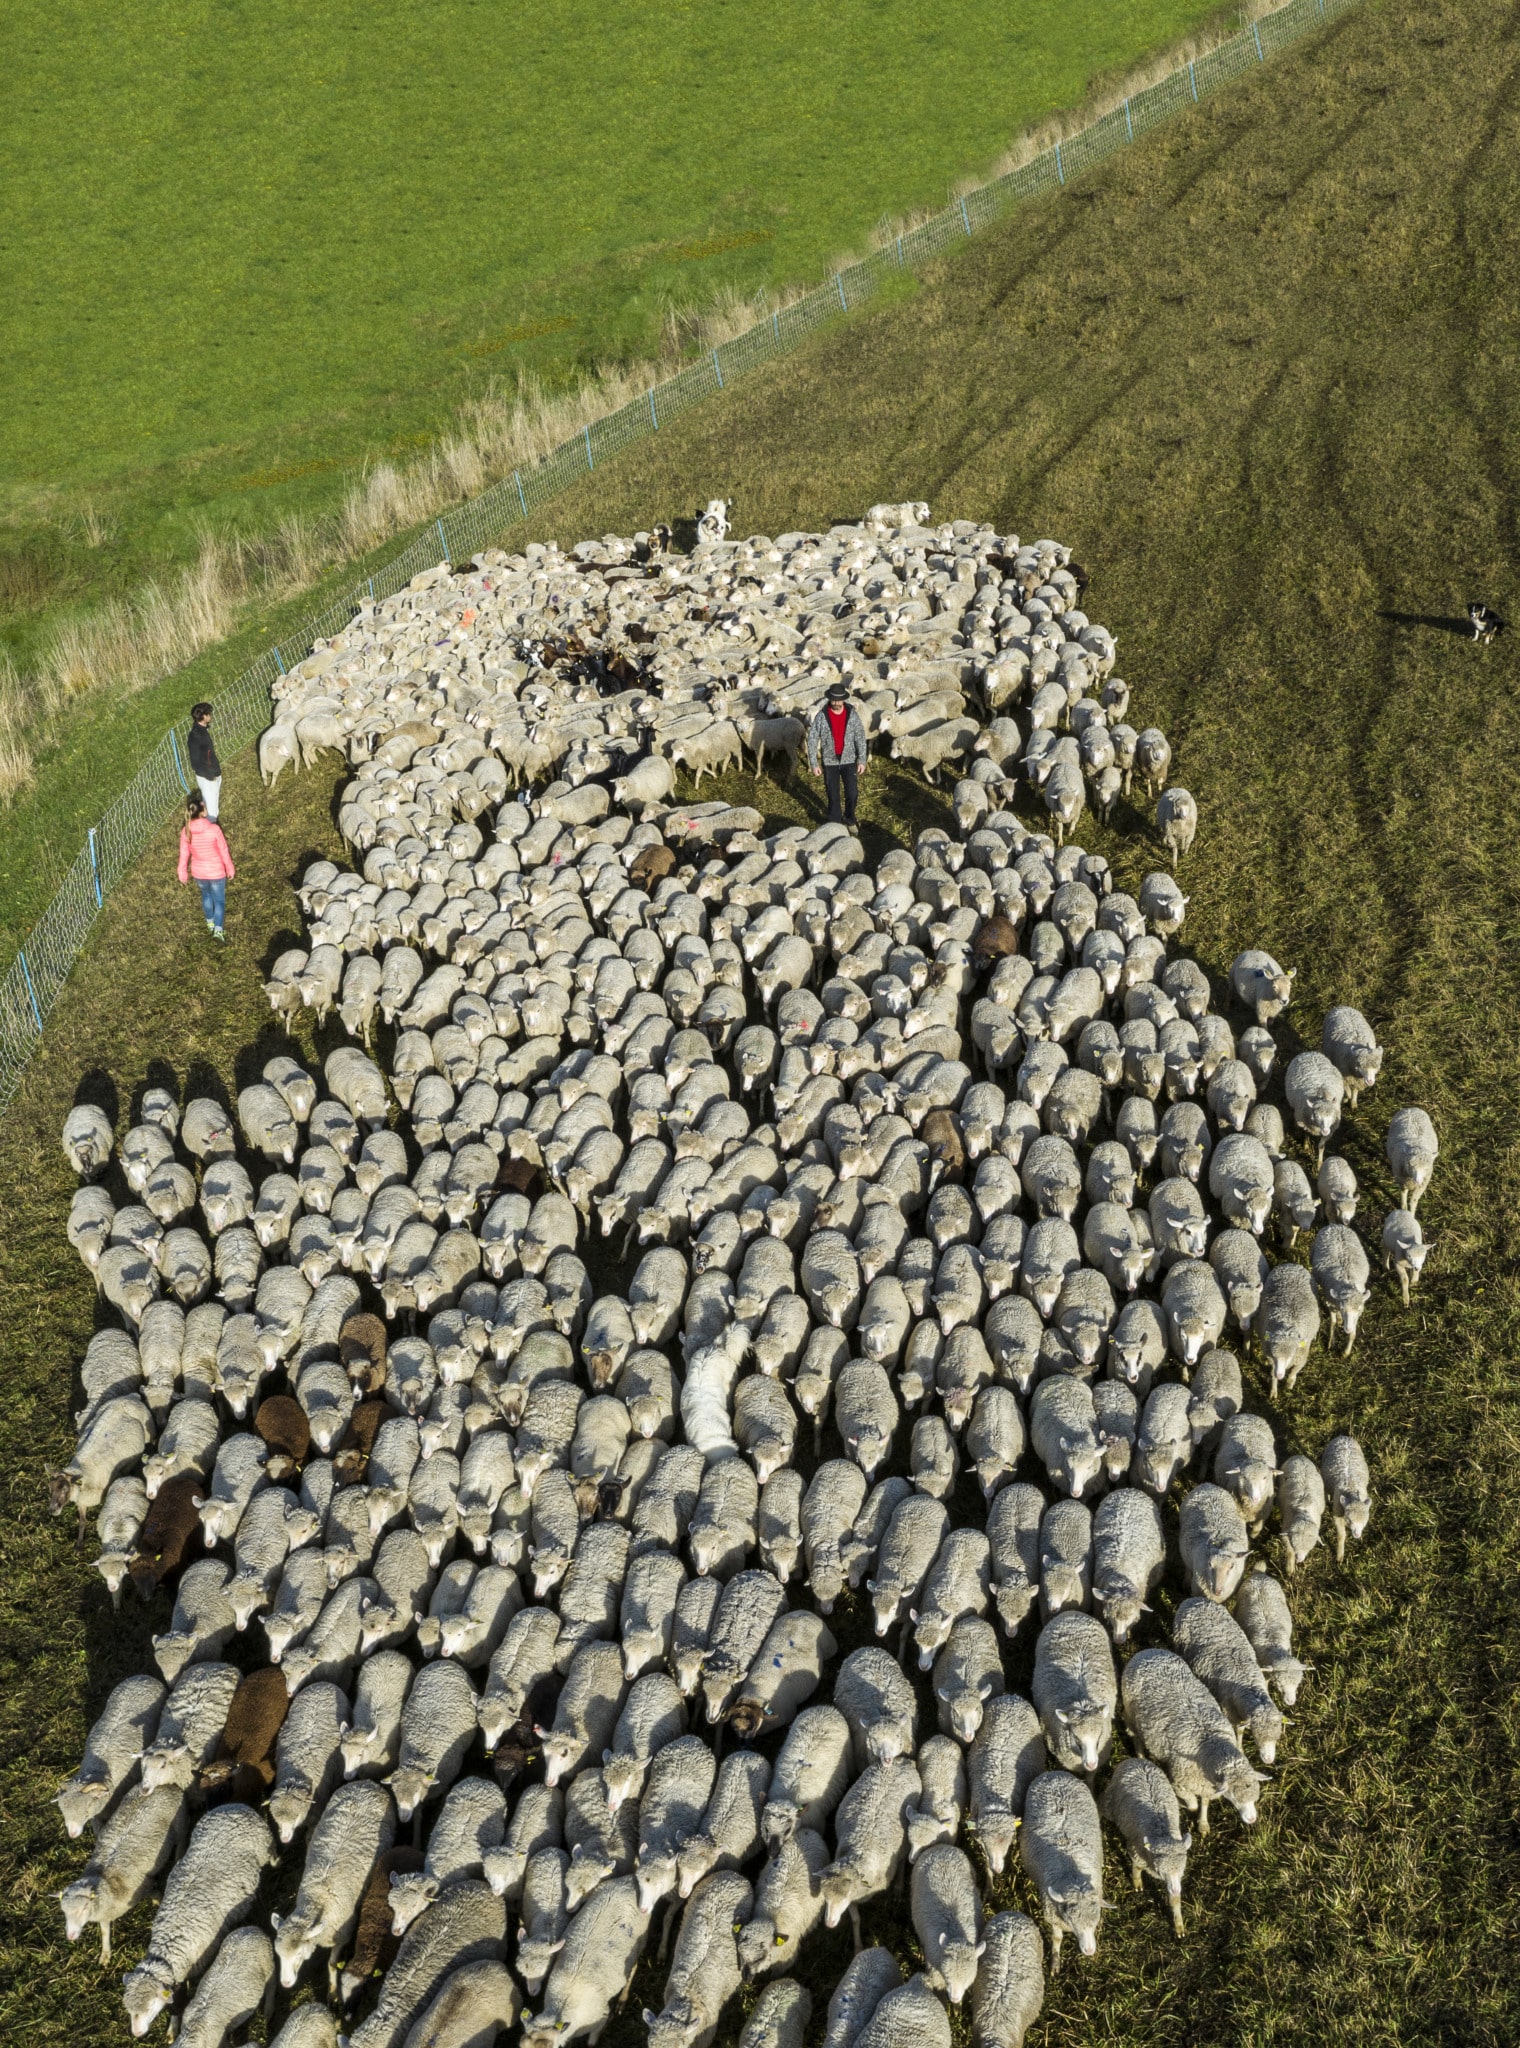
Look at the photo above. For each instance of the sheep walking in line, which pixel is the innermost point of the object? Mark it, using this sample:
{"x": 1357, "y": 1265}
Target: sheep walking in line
{"x": 956, "y": 1156}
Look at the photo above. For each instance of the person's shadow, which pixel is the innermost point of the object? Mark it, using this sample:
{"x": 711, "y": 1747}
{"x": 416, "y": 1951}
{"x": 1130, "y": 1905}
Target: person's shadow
{"x": 1463, "y": 627}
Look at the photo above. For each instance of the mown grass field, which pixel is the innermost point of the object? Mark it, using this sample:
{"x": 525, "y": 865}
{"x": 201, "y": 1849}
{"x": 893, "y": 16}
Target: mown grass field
{"x": 250, "y": 247}
{"x": 1259, "y": 373}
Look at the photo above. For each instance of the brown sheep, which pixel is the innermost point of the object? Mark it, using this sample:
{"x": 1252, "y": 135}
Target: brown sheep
{"x": 651, "y": 865}
{"x": 351, "y": 1458}
{"x": 523, "y": 1176}
{"x": 246, "y": 1743}
{"x": 598, "y": 1496}
{"x": 361, "y": 1346}
{"x": 281, "y": 1422}
{"x": 375, "y": 1941}
{"x": 245, "y": 1785}
{"x": 942, "y": 1134}
{"x": 172, "y": 1534}
{"x": 520, "y": 1746}
{"x": 997, "y": 939}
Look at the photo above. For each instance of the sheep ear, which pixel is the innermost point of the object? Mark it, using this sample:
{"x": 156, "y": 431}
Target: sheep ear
{"x": 1187, "y": 1840}
{"x": 649, "y": 2017}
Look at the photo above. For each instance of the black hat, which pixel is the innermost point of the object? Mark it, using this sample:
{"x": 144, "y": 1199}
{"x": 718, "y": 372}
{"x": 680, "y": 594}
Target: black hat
{"x": 837, "y": 692}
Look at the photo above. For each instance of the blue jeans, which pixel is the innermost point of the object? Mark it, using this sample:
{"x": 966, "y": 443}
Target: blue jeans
{"x": 214, "y": 900}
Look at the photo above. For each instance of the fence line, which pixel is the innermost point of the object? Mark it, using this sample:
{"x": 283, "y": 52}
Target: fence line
{"x": 37, "y": 975}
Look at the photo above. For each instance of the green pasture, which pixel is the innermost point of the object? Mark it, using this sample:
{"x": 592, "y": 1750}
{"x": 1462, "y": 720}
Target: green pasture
{"x": 248, "y": 248}
{"x": 1259, "y": 373}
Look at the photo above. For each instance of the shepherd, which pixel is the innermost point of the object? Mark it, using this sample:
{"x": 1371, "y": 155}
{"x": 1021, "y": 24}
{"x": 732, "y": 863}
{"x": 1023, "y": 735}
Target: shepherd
{"x": 837, "y": 751}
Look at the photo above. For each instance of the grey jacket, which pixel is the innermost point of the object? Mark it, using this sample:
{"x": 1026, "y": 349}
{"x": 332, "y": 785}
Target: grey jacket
{"x": 820, "y": 742}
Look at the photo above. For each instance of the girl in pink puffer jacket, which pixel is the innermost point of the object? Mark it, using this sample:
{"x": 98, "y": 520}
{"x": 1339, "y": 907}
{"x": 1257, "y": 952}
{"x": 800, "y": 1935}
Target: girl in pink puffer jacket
{"x": 204, "y": 859}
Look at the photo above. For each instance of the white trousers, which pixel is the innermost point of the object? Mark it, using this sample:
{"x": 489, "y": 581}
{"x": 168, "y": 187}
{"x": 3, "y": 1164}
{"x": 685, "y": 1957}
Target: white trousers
{"x": 212, "y": 792}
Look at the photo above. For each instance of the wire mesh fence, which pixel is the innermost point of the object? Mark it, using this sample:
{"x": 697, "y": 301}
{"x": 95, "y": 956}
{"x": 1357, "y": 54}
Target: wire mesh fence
{"x": 37, "y": 975}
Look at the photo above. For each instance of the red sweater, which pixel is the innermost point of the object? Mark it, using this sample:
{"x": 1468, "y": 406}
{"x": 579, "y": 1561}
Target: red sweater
{"x": 203, "y": 852}
{"x": 839, "y": 719}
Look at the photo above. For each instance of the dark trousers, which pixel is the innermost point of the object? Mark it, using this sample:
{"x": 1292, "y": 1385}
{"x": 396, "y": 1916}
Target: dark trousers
{"x": 835, "y": 779}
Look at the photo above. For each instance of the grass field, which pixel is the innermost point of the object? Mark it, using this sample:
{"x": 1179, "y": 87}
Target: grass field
{"x": 249, "y": 248}
{"x": 1260, "y": 374}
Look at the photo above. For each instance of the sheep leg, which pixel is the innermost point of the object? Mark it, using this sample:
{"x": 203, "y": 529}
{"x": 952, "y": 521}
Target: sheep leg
{"x": 105, "y": 1941}
{"x": 1175, "y": 1902}
{"x": 1135, "y": 1870}
{"x": 1404, "y": 1283}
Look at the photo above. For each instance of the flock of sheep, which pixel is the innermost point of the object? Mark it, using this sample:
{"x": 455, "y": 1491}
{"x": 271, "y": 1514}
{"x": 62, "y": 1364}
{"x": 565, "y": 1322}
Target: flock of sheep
{"x": 537, "y": 1582}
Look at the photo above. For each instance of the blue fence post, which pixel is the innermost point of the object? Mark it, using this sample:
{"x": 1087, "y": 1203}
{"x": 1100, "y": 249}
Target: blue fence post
{"x": 278, "y": 658}
{"x": 521, "y": 499}
{"x": 1193, "y": 78}
{"x": 590, "y": 459}
{"x": 174, "y": 749}
{"x": 776, "y": 324}
{"x": 839, "y": 285}
{"x": 1256, "y": 35}
{"x": 443, "y": 541}
{"x": 717, "y": 369}
{"x": 1060, "y": 173}
{"x": 652, "y": 413}
{"x": 899, "y": 253}
{"x": 31, "y": 992}
{"x": 965, "y": 217}
{"x": 95, "y": 868}
{"x": 1129, "y": 126}
{"x": 372, "y": 590}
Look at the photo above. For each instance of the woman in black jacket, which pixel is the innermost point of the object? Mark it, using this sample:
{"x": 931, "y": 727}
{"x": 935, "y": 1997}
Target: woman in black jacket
{"x": 204, "y": 765}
